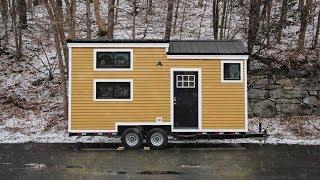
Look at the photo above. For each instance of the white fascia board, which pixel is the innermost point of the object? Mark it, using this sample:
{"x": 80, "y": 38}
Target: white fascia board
{"x": 225, "y": 57}
{"x": 152, "y": 45}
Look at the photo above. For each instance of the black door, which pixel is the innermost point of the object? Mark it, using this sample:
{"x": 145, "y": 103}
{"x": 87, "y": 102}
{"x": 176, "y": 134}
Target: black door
{"x": 185, "y": 99}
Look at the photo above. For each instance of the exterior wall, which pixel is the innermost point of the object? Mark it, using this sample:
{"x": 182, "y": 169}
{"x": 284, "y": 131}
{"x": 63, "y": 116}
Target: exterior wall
{"x": 222, "y": 104}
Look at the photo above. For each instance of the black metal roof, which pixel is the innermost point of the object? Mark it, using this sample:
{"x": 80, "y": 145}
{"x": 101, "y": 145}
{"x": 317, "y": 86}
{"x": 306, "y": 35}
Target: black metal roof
{"x": 185, "y": 47}
{"x": 207, "y": 47}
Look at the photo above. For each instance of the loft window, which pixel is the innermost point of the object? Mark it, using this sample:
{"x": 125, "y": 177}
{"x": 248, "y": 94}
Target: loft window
{"x": 112, "y": 59}
{"x": 113, "y": 90}
{"x": 232, "y": 71}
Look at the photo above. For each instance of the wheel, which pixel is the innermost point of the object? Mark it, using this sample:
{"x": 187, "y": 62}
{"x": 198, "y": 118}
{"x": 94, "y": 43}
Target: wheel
{"x": 157, "y": 138}
{"x": 132, "y": 138}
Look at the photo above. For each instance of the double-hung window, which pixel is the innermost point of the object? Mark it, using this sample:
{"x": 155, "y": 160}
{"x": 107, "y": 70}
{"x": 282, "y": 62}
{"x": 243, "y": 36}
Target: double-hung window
{"x": 231, "y": 71}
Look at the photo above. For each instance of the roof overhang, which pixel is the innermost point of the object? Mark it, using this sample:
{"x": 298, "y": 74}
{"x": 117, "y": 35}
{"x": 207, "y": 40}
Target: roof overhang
{"x": 122, "y": 45}
{"x": 231, "y": 57}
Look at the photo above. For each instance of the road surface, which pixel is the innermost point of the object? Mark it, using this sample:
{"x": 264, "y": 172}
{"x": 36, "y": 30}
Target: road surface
{"x": 186, "y": 161}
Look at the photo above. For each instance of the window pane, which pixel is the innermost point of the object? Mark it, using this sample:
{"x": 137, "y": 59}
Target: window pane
{"x": 185, "y": 84}
{"x": 104, "y": 60}
{"x": 179, "y": 84}
{"x": 185, "y": 78}
{"x": 191, "y": 84}
{"x": 104, "y": 90}
{"x": 191, "y": 78}
{"x": 122, "y": 90}
{"x": 231, "y": 71}
{"x": 179, "y": 78}
{"x": 122, "y": 59}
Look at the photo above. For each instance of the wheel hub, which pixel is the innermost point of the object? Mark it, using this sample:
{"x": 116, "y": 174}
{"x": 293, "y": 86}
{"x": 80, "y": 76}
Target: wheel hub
{"x": 157, "y": 139}
{"x": 132, "y": 139}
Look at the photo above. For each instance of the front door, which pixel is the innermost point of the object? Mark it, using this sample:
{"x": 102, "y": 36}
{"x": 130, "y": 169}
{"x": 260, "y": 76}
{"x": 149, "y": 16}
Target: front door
{"x": 185, "y": 99}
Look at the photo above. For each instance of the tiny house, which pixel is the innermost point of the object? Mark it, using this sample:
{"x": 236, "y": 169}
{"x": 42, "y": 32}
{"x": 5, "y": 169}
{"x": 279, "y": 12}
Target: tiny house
{"x": 149, "y": 89}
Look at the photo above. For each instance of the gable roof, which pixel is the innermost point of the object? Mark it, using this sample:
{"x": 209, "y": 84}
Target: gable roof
{"x": 182, "y": 47}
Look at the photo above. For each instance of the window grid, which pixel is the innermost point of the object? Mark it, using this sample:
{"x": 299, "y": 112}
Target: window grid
{"x": 185, "y": 81}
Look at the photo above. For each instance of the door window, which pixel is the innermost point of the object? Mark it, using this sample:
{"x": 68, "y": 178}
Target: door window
{"x": 185, "y": 81}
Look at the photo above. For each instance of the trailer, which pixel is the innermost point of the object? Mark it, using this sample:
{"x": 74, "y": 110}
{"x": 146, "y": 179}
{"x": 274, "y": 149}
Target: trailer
{"x": 151, "y": 89}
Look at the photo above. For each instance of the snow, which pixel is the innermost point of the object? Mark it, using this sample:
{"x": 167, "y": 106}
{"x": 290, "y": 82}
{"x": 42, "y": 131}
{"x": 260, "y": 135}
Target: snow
{"x": 16, "y": 130}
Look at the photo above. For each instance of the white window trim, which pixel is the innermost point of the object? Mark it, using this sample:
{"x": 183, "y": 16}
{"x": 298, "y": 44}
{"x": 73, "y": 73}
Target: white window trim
{"x": 112, "y": 80}
{"x": 241, "y": 71}
{"x": 112, "y": 50}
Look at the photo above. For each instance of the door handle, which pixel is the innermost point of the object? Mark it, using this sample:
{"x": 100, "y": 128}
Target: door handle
{"x": 174, "y": 100}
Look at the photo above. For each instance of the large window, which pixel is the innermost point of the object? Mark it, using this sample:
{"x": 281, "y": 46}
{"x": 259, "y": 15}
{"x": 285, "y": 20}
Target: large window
{"x": 231, "y": 71}
{"x": 113, "y": 90}
{"x": 113, "y": 59}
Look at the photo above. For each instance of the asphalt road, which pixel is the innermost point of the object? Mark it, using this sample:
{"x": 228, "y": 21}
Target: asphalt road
{"x": 187, "y": 161}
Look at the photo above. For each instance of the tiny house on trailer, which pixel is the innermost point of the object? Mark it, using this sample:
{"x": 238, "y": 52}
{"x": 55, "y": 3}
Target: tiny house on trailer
{"x": 149, "y": 89}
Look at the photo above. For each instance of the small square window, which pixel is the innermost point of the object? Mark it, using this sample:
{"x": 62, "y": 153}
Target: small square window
{"x": 191, "y": 78}
{"x": 179, "y": 78}
{"x": 231, "y": 71}
{"x": 191, "y": 84}
{"x": 179, "y": 84}
{"x": 185, "y": 84}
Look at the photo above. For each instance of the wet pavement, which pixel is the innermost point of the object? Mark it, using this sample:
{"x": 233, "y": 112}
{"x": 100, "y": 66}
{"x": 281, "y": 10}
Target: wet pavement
{"x": 184, "y": 161}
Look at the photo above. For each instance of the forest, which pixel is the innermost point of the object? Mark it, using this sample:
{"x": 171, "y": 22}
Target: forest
{"x": 34, "y": 54}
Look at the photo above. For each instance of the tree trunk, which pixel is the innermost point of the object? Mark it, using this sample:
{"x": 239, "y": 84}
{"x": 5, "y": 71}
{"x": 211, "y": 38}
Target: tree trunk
{"x": 110, "y": 19}
{"x": 116, "y": 11}
{"x": 57, "y": 14}
{"x": 55, "y": 28}
{"x": 22, "y": 10}
{"x": 303, "y": 25}
{"x": 200, "y": 3}
{"x": 268, "y": 24}
{"x": 283, "y": 20}
{"x": 169, "y": 20}
{"x": 215, "y": 18}
{"x": 254, "y": 23}
{"x": 88, "y": 18}
{"x": 101, "y": 25}
{"x": 71, "y": 13}
{"x": 201, "y": 19}
{"x": 134, "y": 15}
{"x": 149, "y": 7}
{"x": 316, "y": 37}
{"x": 176, "y": 16}
{"x": 223, "y": 18}
{"x": 4, "y": 15}
{"x": 182, "y": 19}
{"x": 16, "y": 29}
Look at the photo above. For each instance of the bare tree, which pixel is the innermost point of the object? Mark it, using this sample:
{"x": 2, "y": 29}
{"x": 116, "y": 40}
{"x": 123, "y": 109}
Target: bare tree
{"x": 71, "y": 13}
{"x": 22, "y": 10}
{"x": 201, "y": 19}
{"x": 149, "y": 6}
{"x": 316, "y": 37}
{"x": 134, "y": 14}
{"x": 4, "y": 14}
{"x": 215, "y": 18}
{"x": 88, "y": 18}
{"x": 54, "y": 18}
{"x": 16, "y": 29}
{"x": 169, "y": 20}
{"x": 176, "y": 16}
{"x": 303, "y": 24}
{"x": 254, "y": 23}
{"x": 116, "y": 11}
{"x": 283, "y": 19}
{"x": 101, "y": 25}
{"x": 110, "y": 19}
{"x": 183, "y": 18}
{"x": 223, "y": 18}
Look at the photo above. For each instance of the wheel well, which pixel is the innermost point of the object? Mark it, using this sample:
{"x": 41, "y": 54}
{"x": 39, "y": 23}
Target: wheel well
{"x": 144, "y": 128}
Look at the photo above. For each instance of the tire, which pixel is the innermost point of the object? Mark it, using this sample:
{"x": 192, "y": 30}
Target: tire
{"x": 132, "y": 138}
{"x": 157, "y": 138}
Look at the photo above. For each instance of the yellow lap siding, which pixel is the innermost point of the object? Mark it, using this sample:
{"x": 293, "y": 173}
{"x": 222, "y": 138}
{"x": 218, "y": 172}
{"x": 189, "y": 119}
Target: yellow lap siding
{"x": 222, "y": 104}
